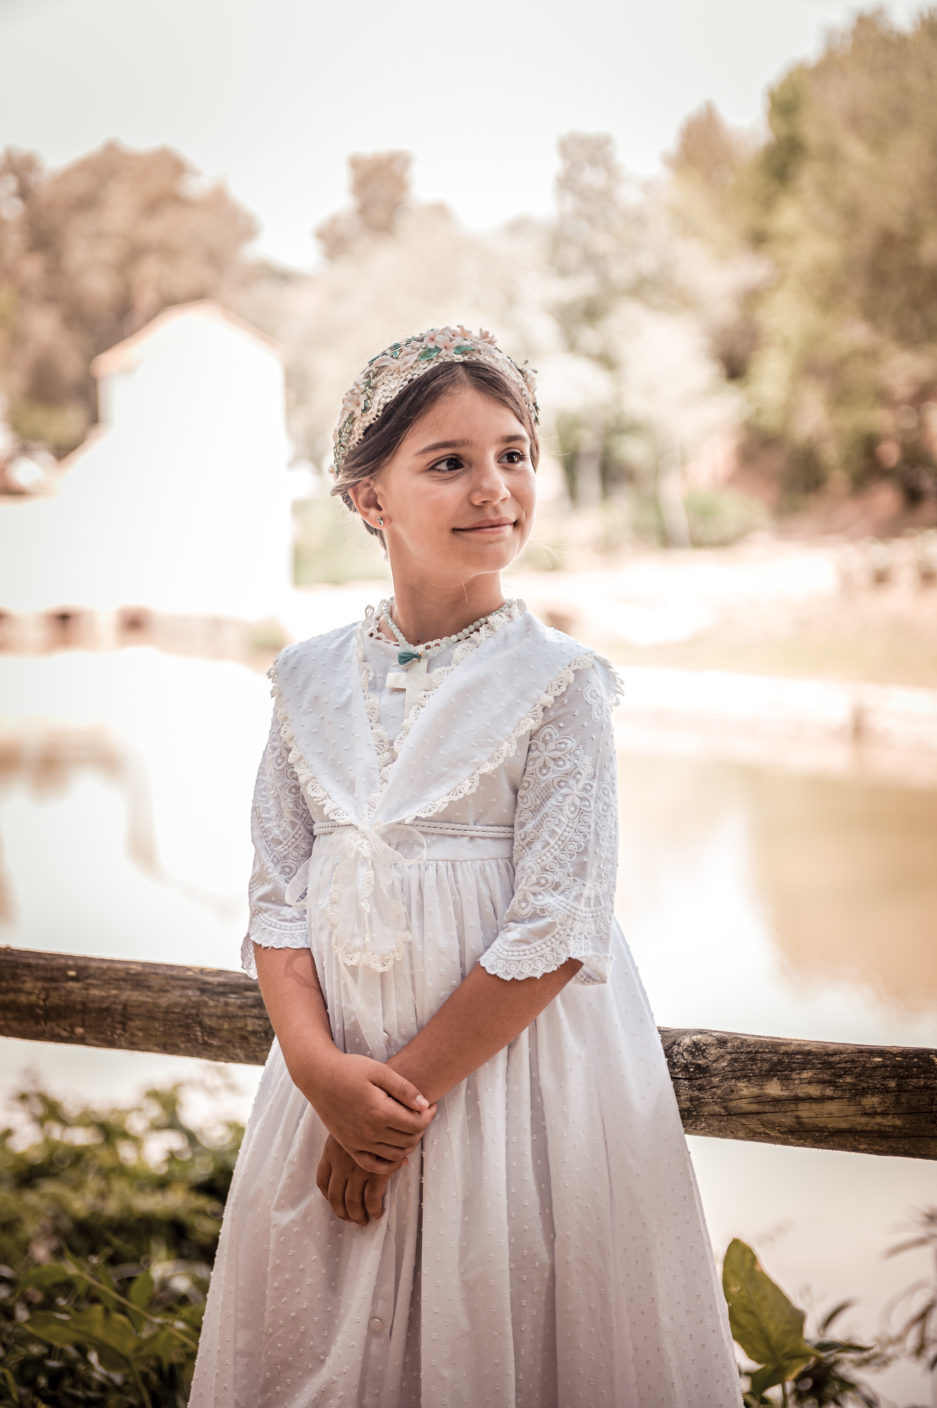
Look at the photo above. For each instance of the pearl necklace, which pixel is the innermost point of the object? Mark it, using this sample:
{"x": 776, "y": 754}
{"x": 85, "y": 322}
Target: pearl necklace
{"x": 408, "y": 653}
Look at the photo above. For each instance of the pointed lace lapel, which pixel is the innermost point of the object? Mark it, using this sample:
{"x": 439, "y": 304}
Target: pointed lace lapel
{"x": 319, "y": 687}
{"x": 478, "y": 712}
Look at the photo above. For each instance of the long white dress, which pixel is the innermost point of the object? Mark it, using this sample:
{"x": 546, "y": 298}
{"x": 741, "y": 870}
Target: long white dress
{"x": 547, "y": 1247}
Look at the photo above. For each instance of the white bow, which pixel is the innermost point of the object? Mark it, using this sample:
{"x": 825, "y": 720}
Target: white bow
{"x": 364, "y": 910}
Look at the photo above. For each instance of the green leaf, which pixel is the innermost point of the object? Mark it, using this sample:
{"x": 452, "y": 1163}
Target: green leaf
{"x": 112, "y": 1335}
{"x": 165, "y": 1345}
{"x": 141, "y": 1292}
{"x": 7, "y": 1379}
{"x": 764, "y": 1322}
{"x": 51, "y": 1274}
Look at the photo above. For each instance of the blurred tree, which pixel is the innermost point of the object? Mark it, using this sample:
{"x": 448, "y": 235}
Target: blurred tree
{"x": 842, "y": 198}
{"x": 380, "y": 190}
{"x": 717, "y": 273}
{"x": 595, "y": 254}
{"x": 626, "y": 304}
{"x": 89, "y": 254}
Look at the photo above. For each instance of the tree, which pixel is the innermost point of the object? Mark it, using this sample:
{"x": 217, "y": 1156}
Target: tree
{"x": 842, "y": 197}
{"x": 380, "y": 190}
{"x": 89, "y": 254}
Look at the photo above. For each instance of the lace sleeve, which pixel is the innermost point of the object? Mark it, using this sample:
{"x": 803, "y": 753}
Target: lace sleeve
{"x": 565, "y": 841}
{"x": 281, "y": 830}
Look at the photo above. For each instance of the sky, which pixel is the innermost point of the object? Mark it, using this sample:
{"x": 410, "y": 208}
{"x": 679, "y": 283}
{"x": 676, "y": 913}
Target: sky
{"x": 271, "y": 96}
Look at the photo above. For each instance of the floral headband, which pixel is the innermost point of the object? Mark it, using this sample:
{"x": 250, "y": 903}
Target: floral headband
{"x": 390, "y": 371}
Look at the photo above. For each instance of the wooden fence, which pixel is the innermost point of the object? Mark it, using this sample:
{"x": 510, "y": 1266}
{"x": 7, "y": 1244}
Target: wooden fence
{"x": 732, "y": 1085}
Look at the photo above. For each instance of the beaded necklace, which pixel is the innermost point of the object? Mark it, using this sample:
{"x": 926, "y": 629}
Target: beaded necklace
{"x": 409, "y": 653}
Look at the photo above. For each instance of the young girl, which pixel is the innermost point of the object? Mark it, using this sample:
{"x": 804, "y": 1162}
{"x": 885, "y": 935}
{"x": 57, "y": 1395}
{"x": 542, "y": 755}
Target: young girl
{"x": 464, "y": 1182}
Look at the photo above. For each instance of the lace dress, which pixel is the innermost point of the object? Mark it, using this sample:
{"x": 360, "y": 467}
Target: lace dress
{"x": 547, "y": 1244}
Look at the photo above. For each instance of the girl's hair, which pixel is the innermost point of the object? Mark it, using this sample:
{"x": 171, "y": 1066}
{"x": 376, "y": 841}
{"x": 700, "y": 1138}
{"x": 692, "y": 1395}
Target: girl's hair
{"x": 380, "y": 441}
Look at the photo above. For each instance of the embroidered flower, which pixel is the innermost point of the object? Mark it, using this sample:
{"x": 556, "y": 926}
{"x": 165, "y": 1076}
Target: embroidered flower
{"x": 441, "y": 339}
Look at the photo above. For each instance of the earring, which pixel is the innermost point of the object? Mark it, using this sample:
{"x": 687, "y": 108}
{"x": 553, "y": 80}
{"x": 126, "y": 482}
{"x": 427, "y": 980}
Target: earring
{"x": 380, "y": 522}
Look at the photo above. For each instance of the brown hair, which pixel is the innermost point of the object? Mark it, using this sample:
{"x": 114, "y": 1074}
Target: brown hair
{"x": 380, "y": 441}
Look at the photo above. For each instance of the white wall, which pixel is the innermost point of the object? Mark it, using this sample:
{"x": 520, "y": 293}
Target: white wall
{"x": 181, "y": 501}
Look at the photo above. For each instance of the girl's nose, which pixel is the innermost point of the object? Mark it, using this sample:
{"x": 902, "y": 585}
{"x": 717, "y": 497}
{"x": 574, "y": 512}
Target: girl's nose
{"x": 490, "y": 483}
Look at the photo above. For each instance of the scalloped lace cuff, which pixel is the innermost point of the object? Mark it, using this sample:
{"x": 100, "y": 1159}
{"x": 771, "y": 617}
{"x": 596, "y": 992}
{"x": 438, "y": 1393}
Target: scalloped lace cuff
{"x": 269, "y": 937}
{"x": 509, "y": 959}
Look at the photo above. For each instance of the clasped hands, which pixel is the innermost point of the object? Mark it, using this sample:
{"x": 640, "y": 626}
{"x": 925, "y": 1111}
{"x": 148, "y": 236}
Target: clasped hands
{"x": 375, "y": 1118}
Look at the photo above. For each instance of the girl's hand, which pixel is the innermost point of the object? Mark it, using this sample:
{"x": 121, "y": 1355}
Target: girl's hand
{"x": 374, "y": 1113}
{"x": 351, "y": 1193}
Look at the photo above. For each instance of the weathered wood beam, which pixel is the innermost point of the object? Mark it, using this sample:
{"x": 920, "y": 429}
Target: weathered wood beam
{"x": 730, "y": 1085}
{"x": 211, "y": 1013}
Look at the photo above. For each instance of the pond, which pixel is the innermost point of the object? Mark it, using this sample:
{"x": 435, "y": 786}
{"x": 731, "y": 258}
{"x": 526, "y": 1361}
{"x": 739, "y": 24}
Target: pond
{"x": 754, "y": 899}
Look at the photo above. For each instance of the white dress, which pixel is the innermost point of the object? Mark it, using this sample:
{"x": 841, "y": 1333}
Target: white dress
{"x": 546, "y": 1247}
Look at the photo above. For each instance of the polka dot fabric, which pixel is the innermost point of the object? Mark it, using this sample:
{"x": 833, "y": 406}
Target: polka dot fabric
{"x": 546, "y": 1247}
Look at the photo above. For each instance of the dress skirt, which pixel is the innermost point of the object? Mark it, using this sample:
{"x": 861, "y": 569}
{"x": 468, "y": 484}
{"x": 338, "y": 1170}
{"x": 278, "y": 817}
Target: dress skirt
{"x": 546, "y": 1247}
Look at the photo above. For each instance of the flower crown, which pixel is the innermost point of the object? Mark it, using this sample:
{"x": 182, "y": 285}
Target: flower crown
{"x": 390, "y": 371}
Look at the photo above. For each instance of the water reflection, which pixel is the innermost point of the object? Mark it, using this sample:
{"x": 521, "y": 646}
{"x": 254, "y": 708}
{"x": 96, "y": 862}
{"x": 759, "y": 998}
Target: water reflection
{"x": 774, "y": 902}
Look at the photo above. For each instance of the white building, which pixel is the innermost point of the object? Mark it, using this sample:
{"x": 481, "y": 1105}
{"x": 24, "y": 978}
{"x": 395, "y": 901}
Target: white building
{"x": 179, "y": 499}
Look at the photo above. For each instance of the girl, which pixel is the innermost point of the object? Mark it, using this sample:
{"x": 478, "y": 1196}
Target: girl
{"x": 464, "y": 1182}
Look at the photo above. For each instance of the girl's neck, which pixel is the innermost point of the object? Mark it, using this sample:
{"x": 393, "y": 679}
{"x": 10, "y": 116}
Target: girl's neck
{"x": 425, "y": 613}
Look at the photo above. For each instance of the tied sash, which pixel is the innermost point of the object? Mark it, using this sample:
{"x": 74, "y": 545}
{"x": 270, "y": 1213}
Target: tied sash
{"x": 364, "y": 909}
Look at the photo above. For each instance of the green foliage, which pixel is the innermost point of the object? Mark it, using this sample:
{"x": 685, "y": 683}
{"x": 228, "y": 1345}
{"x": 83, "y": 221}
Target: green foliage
{"x": 842, "y": 199}
{"x": 108, "y": 1225}
{"x": 719, "y": 517}
{"x": 331, "y": 545}
{"x": 58, "y": 425}
{"x": 770, "y": 1330}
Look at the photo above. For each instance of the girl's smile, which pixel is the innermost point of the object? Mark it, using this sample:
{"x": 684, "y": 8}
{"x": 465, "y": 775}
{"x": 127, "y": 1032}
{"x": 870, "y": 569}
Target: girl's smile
{"x": 456, "y": 503}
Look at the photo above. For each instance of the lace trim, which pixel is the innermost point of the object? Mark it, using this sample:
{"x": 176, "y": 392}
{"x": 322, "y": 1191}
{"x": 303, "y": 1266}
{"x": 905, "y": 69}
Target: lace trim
{"x": 535, "y": 962}
{"x": 388, "y": 749}
{"x": 284, "y": 939}
{"x": 505, "y": 750}
{"x": 309, "y": 783}
{"x": 618, "y": 683}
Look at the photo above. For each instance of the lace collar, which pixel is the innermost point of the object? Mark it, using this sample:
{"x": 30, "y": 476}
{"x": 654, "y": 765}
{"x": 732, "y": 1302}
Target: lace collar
{"x": 386, "y": 748}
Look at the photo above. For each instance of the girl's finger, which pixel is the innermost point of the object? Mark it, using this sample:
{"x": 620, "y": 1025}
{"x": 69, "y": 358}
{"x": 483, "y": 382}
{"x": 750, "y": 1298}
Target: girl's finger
{"x": 336, "y": 1195}
{"x": 374, "y": 1196}
{"x": 393, "y": 1116}
{"x": 373, "y": 1163}
{"x": 354, "y": 1200}
{"x": 323, "y": 1174}
{"x": 399, "y": 1088}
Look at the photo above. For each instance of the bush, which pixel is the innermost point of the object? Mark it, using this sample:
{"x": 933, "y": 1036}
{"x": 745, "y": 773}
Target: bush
{"x": 108, "y": 1227}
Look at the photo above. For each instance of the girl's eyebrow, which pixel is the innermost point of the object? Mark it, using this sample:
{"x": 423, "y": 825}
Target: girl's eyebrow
{"x": 461, "y": 444}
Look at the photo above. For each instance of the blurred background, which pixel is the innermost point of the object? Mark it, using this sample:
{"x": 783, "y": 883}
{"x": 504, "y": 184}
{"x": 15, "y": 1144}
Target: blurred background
{"x": 713, "y": 232}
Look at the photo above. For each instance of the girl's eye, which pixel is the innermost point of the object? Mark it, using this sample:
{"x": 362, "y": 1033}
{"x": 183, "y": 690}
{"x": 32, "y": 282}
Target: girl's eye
{"x": 520, "y": 456}
{"x": 447, "y": 465}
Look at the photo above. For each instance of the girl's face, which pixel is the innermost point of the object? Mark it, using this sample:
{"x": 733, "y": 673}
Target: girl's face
{"x": 457, "y": 497}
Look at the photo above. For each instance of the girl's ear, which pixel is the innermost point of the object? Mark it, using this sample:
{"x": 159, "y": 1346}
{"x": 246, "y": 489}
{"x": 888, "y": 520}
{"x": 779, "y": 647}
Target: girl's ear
{"x": 365, "y": 498}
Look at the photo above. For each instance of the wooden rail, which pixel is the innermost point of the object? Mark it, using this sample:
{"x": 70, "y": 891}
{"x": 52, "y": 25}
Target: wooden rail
{"x": 731, "y": 1085}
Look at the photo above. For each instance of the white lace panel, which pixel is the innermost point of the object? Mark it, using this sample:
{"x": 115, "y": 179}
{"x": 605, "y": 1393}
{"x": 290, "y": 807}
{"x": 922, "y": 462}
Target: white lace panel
{"x": 565, "y": 842}
{"x": 281, "y": 829}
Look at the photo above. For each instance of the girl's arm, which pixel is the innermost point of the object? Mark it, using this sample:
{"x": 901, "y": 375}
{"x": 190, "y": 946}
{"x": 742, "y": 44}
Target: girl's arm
{"x": 373, "y": 1112}
{"x": 484, "y": 1014}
